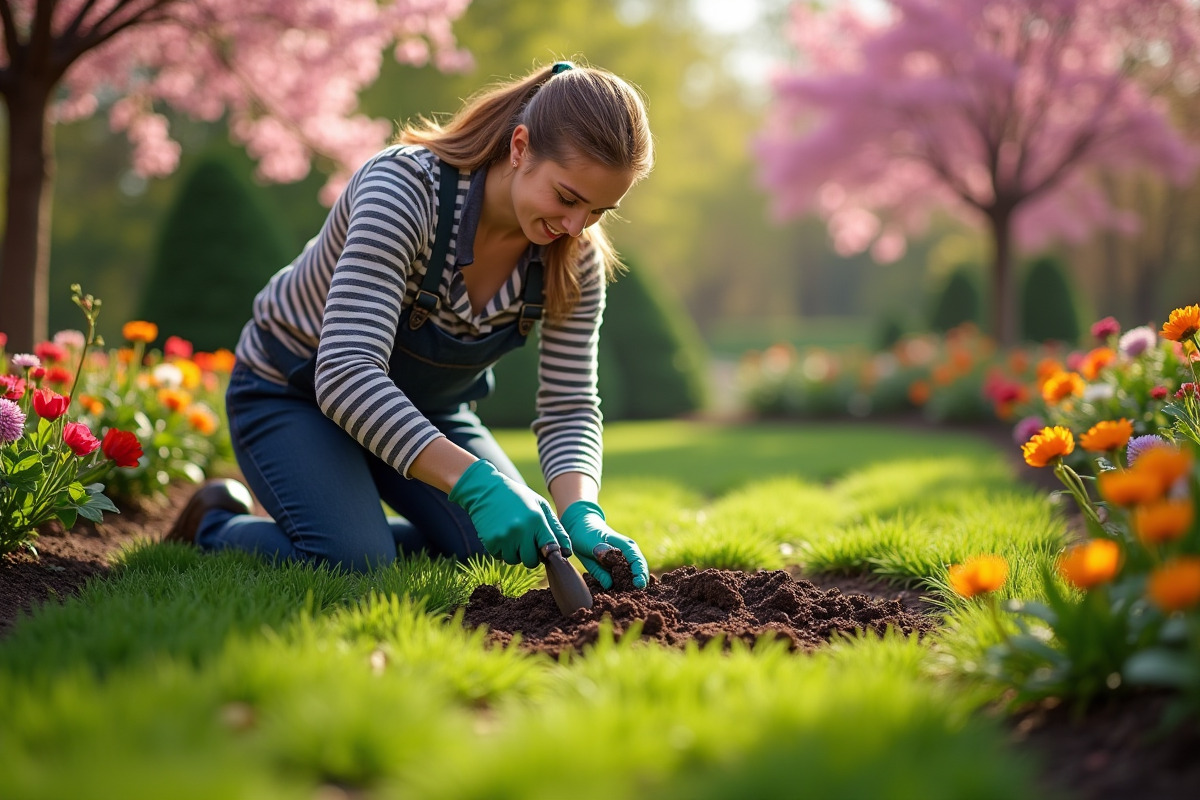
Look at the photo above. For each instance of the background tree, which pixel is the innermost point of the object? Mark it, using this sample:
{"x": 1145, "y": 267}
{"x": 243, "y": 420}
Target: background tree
{"x": 284, "y": 73}
{"x": 1002, "y": 111}
{"x": 1049, "y": 309}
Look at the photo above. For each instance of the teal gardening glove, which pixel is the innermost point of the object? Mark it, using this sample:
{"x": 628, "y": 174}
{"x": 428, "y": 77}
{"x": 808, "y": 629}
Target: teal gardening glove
{"x": 590, "y": 536}
{"x": 513, "y": 521}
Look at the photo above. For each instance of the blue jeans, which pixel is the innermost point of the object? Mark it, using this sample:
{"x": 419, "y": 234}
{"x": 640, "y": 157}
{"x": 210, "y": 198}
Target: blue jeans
{"x": 323, "y": 490}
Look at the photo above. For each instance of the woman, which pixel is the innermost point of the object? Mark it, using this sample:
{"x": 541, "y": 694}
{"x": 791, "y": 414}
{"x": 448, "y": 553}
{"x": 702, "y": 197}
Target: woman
{"x": 357, "y": 375}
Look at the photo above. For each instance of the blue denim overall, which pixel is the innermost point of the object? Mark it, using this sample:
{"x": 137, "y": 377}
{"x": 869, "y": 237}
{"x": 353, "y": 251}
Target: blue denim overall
{"x": 320, "y": 486}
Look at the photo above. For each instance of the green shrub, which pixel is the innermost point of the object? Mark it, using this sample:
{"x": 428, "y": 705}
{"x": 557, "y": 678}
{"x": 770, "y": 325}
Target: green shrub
{"x": 1048, "y": 307}
{"x": 652, "y": 361}
{"x": 957, "y": 302}
{"x": 217, "y": 248}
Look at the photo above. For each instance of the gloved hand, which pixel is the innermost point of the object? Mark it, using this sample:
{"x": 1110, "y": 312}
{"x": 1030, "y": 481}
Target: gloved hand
{"x": 584, "y": 521}
{"x": 512, "y": 520}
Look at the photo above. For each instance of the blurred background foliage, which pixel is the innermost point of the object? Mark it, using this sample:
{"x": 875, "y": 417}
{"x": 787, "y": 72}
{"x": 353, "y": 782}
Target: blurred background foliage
{"x": 698, "y": 225}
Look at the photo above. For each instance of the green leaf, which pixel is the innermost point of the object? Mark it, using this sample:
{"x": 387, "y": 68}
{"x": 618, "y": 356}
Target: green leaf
{"x": 89, "y": 511}
{"x": 100, "y": 502}
{"x": 1159, "y": 667}
{"x": 67, "y": 516}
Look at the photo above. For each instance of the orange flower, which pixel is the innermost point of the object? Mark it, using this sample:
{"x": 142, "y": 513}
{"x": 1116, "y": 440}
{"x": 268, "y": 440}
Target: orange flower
{"x": 1047, "y": 368}
{"x": 1175, "y": 585}
{"x": 1107, "y": 435}
{"x": 1047, "y": 445}
{"x": 978, "y": 575}
{"x": 1163, "y": 521}
{"x": 944, "y": 374}
{"x": 1090, "y": 564}
{"x": 1062, "y": 385}
{"x": 223, "y": 361}
{"x": 140, "y": 331}
{"x": 1129, "y": 488}
{"x": 125, "y": 355}
{"x": 90, "y": 404}
{"x": 1165, "y": 462}
{"x": 1018, "y": 361}
{"x": 174, "y": 399}
{"x": 919, "y": 393}
{"x": 1183, "y": 324}
{"x": 203, "y": 419}
{"x": 1095, "y": 361}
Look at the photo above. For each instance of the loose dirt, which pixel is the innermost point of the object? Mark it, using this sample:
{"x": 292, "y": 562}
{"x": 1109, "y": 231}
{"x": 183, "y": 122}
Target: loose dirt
{"x": 691, "y": 605}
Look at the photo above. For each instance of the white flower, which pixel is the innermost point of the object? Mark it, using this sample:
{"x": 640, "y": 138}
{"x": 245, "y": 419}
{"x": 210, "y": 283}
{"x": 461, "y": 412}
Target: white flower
{"x": 168, "y": 375}
{"x": 1098, "y": 391}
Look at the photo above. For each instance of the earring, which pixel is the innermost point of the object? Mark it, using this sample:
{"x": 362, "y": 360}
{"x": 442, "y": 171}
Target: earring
{"x": 514, "y": 163}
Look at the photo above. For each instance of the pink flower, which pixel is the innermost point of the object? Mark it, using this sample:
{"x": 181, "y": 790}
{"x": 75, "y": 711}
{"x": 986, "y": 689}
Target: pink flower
{"x": 1159, "y": 392}
{"x": 3, "y": 340}
{"x": 1185, "y": 390}
{"x": 1024, "y": 430}
{"x": 121, "y": 447}
{"x": 79, "y": 438}
{"x": 49, "y": 404}
{"x": 12, "y": 387}
{"x": 26, "y": 360}
{"x": 1102, "y": 329}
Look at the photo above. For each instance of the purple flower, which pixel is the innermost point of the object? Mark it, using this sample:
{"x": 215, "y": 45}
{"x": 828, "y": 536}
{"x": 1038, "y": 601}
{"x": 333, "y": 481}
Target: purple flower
{"x": 1026, "y": 428}
{"x": 1137, "y": 341}
{"x": 12, "y": 421}
{"x": 1105, "y": 328}
{"x": 26, "y": 360}
{"x": 1139, "y": 444}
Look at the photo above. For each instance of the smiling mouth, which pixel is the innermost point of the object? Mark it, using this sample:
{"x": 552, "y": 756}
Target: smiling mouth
{"x": 550, "y": 229}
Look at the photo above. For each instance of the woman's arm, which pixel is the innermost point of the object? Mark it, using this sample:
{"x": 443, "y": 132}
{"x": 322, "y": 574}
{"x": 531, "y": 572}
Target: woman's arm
{"x": 571, "y": 486}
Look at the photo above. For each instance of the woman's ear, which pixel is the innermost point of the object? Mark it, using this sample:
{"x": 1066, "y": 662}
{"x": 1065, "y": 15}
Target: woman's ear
{"x": 518, "y": 146}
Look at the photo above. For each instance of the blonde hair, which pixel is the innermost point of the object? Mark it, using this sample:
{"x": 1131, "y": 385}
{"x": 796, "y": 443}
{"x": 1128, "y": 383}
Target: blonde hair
{"x": 577, "y": 112}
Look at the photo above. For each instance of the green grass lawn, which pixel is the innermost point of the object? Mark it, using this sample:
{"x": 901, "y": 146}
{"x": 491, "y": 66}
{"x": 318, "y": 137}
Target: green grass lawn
{"x": 186, "y": 675}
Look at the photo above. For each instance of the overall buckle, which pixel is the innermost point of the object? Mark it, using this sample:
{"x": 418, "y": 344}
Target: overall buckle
{"x": 531, "y": 313}
{"x": 424, "y": 305}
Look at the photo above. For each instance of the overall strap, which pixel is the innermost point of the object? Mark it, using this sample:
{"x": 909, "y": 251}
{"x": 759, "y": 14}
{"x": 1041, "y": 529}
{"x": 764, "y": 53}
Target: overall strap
{"x": 533, "y": 297}
{"x": 428, "y": 299}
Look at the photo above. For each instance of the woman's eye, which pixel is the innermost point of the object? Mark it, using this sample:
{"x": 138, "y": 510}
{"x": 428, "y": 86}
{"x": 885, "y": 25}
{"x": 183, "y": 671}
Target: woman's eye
{"x": 566, "y": 201}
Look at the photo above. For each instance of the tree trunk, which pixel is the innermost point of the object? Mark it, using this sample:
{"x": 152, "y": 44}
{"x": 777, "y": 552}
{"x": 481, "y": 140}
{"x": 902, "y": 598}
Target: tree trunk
{"x": 25, "y": 264}
{"x": 1003, "y": 320}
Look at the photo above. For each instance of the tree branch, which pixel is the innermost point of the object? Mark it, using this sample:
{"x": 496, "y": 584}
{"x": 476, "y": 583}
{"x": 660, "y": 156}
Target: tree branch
{"x": 94, "y": 37}
{"x": 11, "y": 42}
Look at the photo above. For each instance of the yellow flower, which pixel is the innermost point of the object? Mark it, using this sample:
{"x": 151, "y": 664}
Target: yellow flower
{"x": 1175, "y": 585}
{"x": 978, "y": 575}
{"x": 1047, "y": 445}
{"x": 1129, "y": 488}
{"x": 140, "y": 331}
{"x": 189, "y": 372}
{"x": 1164, "y": 462}
{"x": 1062, "y": 385}
{"x": 1163, "y": 521}
{"x": 1183, "y": 324}
{"x": 1107, "y": 435}
{"x": 1090, "y": 564}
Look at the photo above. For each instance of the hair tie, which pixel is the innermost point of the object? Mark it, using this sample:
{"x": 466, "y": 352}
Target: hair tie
{"x": 561, "y": 66}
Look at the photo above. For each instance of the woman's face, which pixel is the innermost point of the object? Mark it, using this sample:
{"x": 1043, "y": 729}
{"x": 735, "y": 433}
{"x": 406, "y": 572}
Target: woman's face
{"x": 552, "y": 200}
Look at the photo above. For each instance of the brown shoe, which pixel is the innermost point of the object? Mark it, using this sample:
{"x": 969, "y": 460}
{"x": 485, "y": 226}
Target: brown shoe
{"x": 220, "y": 493}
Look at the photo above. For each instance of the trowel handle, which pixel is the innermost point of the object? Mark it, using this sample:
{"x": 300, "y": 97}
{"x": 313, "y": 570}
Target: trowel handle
{"x": 567, "y": 586}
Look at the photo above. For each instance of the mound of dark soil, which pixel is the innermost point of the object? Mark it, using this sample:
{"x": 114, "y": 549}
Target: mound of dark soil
{"x": 689, "y": 604}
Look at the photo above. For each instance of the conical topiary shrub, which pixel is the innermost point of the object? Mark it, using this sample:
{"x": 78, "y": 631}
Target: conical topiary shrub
{"x": 1048, "y": 309}
{"x": 217, "y": 247}
{"x": 957, "y": 302}
{"x": 652, "y": 361}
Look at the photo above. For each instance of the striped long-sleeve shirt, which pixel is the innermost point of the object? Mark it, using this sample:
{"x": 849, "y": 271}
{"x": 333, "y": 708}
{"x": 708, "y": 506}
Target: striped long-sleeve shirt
{"x": 342, "y": 297}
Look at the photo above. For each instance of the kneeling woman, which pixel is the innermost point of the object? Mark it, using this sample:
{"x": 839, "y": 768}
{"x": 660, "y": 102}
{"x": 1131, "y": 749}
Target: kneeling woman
{"x": 357, "y": 374}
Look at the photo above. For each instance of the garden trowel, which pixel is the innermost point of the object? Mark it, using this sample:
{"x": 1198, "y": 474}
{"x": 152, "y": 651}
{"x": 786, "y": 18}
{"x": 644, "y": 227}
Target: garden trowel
{"x": 567, "y": 586}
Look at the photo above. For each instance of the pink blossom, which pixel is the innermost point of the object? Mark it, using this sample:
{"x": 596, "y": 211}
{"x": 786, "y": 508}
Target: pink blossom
{"x": 1104, "y": 328}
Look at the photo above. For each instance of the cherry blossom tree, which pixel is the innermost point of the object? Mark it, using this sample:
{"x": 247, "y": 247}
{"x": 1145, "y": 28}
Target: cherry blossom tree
{"x": 1003, "y": 112}
{"x": 284, "y": 74}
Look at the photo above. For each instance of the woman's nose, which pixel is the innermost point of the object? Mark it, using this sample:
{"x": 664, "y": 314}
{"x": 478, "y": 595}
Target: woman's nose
{"x": 575, "y": 223}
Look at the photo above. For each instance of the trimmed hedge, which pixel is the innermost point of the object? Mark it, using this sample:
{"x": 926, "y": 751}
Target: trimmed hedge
{"x": 957, "y": 302}
{"x": 1049, "y": 310}
{"x": 652, "y": 361}
{"x": 217, "y": 247}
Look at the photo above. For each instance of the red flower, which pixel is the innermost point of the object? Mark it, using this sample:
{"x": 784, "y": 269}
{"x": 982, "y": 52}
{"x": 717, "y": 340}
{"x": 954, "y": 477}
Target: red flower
{"x": 50, "y": 352}
{"x": 121, "y": 447}
{"x": 37, "y": 373}
{"x": 79, "y": 438}
{"x": 12, "y": 387}
{"x": 1105, "y": 328}
{"x": 3, "y": 340}
{"x": 49, "y": 404}
{"x": 1185, "y": 390}
{"x": 58, "y": 375}
{"x": 176, "y": 347}
{"x": 1159, "y": 392}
